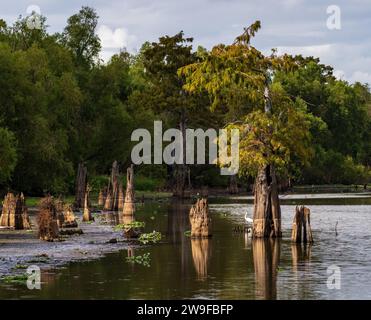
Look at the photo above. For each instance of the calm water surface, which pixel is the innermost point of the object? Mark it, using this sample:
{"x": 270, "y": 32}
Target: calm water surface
{"x": 229, "y": 265}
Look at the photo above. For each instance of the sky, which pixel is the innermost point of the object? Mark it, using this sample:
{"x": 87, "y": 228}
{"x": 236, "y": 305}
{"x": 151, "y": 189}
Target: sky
{"x": 340, "y": 36}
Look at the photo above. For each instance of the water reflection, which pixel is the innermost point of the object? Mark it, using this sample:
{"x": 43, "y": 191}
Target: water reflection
{"x": 266, "y": 257}
{"x": 201, "y": 253}
{"x": 300, "y": 253}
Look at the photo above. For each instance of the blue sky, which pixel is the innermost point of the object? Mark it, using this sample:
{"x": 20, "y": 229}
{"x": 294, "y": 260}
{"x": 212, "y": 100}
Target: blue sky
{"x": 293, "y": 26}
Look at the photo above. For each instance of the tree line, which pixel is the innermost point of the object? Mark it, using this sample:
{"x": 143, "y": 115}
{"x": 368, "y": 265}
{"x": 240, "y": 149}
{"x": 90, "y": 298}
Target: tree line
{"x": 60, "y": 105}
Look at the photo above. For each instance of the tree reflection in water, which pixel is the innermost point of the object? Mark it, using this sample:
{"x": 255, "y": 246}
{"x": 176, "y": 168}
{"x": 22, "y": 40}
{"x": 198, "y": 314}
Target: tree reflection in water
{"x": 201, "y": 253}
{"x": 266, "y": 257}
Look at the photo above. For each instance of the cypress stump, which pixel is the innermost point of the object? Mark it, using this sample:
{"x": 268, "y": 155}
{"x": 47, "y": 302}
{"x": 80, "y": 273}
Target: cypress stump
{"x": 301, "y": 229}
{"x": 114, "y": 198}
{"x": 47, "y": 220}
{"x": 267, "y": 210}
{"x": 87, "y": 213}
{"x": 129, "y": 205}
{"x": 200, "y": 220}
{"x": 81, "y": 181}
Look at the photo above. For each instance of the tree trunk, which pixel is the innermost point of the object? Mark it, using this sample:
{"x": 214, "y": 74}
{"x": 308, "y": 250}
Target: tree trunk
{"x": 233, "y": 187}
{"x": 81, "y": 181}
{"x": 181, "y": 169}
{"x": 267, "y": 210}
{"x": 129, "y": 205}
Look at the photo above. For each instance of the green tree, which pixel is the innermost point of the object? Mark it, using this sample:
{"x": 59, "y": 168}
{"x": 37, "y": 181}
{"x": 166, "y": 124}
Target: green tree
{"x": 273, "y": 133}
{"x": 8, "y": 154}
{"x": 80, "y": 36}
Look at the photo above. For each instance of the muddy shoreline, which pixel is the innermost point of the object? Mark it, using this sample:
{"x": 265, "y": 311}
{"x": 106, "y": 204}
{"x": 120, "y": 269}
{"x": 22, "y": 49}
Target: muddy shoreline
{"x": 22, "y": 248}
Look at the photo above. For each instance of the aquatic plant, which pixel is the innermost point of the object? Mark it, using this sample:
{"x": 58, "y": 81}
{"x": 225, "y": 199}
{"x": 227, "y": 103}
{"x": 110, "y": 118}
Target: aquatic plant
{"x": 153, "y": 237}
{"x": 15, "y": 279}
{"x": 144, "y": 259}
{"x": 133, "y": 224}
{"x": 187, "y": 233}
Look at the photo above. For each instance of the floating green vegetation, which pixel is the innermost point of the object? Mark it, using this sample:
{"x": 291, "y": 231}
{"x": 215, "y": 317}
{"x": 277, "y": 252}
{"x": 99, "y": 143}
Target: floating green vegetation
{"x": 131, "y": 225}
{"x": 144, "y": 259}
{"x": 153, "y": 237}
{"x": 20, "y": 266}
{"x": 187, "y": 233}
{"x": 15, "y": 279}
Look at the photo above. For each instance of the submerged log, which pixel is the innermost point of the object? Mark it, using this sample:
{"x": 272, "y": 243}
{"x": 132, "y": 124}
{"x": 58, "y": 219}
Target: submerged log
{"x": 200, "y": 220}
{"x": 87, "y": 213}
{"x": 267, "y": 210}
{"x": 129, "y": 205}
{"x": 47, "y": 220}
{"x": 15, "y": 213}
{"x": 81, "y": 181}
{"x": 301, "y": 229}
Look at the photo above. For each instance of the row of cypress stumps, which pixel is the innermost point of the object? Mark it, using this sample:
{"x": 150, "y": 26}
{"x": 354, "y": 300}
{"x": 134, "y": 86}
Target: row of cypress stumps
{"x": 201, "y": 223}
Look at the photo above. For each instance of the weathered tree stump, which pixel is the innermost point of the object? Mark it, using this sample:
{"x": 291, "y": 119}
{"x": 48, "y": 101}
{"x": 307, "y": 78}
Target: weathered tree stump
{"x": 129, "y": 205}
{"x": 200, "y": 220}
{"x": 47, "y": 220}
{"x": 114, "y": 199}
{"x": 267, "y": 210}
{"x": 65, "y": 216}
{"x": 81, "y": 181}
{"x": 15, "y": 213}
{"x": 130, "y": 232}
{"x": 301, "y": 229}
{"x": 87, "y": 214}
{"x": 69, "y": 217}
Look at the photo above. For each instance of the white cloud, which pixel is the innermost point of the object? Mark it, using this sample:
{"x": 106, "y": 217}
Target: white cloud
{"x": 360, "y": 76}
{"x": 117, "y": 39}
{"x": 314, "y": 50}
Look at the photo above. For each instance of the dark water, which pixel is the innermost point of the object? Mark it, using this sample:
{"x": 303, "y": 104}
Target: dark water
{"x": 229, "y": 265}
